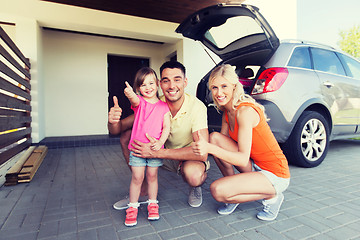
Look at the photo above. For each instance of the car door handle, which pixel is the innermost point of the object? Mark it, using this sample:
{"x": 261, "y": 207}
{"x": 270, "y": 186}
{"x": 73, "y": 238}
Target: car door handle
{"x": 328, "y": 84}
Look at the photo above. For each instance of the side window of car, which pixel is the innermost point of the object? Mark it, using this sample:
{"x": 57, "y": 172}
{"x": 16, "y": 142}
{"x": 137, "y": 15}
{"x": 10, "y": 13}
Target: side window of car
{"x": 300, "y": 58}
{"x": 327, "y": 61}
{"x": 353, "y": 65}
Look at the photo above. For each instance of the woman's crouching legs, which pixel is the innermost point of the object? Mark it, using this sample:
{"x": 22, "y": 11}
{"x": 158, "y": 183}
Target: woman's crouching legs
{"x": 218, "y": 192}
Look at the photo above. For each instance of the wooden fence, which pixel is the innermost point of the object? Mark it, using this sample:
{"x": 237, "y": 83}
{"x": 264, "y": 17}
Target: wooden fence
{"x": 15, "y": 109}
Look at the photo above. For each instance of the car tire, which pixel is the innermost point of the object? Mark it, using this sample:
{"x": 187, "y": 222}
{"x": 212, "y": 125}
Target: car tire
{"x": 308, "y": 143}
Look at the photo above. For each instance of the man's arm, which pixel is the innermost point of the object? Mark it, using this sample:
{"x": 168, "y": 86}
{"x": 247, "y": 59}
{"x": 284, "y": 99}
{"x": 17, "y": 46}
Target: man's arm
{"x": 114, "y": 128}
{"x": 179, "y": 154}
{"x": 121, "y": 126}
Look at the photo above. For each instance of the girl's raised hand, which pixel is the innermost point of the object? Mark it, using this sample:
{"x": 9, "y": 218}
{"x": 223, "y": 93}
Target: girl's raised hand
{"x": 128, "y": 91}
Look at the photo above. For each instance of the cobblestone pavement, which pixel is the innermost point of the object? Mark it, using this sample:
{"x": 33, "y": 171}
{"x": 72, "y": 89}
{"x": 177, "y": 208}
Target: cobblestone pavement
{"x": 72, "y": 193}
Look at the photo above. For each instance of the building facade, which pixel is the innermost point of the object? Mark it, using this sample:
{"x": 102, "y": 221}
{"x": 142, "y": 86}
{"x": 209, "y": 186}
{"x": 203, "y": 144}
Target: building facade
{"x": 69, "y": 49}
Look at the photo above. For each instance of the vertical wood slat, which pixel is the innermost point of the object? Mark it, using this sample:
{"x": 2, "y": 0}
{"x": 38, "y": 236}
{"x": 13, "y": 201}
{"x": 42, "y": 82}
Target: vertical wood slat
{"x": 15, "y": 109}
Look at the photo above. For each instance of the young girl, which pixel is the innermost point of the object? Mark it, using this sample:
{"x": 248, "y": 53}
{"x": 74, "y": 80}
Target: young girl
{"x": 246, "y": 142}
{"x": 152, "y": 117}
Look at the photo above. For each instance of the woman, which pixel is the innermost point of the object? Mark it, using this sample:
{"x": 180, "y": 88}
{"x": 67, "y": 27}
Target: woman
{"x": 246, "y": 142}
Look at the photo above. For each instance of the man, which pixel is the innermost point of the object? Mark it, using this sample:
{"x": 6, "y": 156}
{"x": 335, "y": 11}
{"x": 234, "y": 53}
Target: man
{"x": 188, "y": 124}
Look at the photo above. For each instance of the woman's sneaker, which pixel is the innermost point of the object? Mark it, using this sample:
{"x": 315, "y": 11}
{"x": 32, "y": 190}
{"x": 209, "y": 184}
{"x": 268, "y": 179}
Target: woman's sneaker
{"x": 153, "y": 211}
{"x": 131, "y": 216}
{"x": 227, "y": 208}
{"x": 271, "y": 210}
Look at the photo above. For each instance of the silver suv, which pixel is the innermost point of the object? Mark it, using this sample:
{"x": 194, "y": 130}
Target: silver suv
{"x": 311, "y": 92}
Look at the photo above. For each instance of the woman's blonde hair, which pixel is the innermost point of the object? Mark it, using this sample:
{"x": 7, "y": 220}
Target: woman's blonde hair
{"x": 228, "y": 72}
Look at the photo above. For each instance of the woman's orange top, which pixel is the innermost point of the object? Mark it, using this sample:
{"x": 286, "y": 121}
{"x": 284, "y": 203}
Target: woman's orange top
{"x": 265, "y": 150}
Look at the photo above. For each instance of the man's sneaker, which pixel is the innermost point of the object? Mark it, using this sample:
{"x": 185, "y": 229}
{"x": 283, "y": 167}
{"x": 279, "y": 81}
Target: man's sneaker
{"x": 195, "y": 197}
{"x": 153, "y": 211}
{"x": 270, "y": 210}
{"x": 123, "y": 203}
{"x": 131, "y": 217}
{"x": 227, "y": 208}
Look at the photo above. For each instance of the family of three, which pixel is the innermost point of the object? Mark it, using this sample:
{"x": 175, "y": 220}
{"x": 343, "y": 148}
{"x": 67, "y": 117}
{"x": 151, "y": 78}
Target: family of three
{"x": 172, "y": 132}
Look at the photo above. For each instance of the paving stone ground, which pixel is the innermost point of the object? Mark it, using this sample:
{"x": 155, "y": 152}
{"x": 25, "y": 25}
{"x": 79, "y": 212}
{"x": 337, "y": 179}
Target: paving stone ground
{"x": 72, "y": 193}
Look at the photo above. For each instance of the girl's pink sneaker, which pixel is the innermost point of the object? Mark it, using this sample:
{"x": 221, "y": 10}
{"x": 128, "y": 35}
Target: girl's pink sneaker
{"x": 153, "y": 211}
{"x": 131, "y": 216}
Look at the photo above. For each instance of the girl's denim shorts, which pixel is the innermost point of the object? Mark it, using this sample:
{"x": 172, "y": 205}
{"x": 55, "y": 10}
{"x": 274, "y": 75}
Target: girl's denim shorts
{"x": 142, "y": 162}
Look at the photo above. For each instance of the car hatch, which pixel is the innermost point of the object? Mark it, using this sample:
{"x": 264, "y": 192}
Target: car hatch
{"x": 230, "y": 30}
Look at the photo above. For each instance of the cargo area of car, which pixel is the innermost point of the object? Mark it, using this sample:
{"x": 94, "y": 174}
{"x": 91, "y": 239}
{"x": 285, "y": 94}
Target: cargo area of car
{"x": 247, "y": 75}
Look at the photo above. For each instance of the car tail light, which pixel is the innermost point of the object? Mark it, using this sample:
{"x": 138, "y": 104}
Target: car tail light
{"x": 270, "y": 80}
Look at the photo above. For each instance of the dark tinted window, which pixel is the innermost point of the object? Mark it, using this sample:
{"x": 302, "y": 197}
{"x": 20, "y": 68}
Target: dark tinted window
{"x": 300, "y": 58}
{"x": 353, "y": 65}
{"x": 327, "y": 61}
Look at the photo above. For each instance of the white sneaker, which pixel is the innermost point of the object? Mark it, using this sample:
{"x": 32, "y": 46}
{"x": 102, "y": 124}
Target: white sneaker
{"x": 123, "y": 203}
{"x": 271, "y": 210}
{"x": 227, "y": 208}
{"x": 195, "y": 197}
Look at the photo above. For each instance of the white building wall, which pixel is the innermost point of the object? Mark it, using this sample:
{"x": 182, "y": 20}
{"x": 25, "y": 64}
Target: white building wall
{"x": 280, "y": 14}
{"x": 72, "y": 75}
{"x": 75, "y": 73}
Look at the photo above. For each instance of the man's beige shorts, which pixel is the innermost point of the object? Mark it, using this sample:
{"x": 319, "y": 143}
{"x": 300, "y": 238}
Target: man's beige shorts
{"x": 175, "y": 166}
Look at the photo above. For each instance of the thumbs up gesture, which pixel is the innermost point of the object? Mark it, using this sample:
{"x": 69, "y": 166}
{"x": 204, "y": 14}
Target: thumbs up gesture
{"x": 200, "y": 145}
{"x": 128, "y": 91}
{"x": 115, "y": 112}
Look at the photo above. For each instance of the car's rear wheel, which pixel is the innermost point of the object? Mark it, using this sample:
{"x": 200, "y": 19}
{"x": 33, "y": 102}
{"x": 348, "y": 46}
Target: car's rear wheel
{"x": 308, "y": 143}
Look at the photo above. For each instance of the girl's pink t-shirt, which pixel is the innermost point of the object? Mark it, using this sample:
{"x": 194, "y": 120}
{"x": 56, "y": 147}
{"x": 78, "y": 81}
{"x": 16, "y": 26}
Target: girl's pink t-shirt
{"x": 149, "y": 119}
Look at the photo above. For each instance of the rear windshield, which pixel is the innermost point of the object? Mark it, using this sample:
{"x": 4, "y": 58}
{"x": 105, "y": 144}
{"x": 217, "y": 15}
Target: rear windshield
{"x": 233, "y": 29}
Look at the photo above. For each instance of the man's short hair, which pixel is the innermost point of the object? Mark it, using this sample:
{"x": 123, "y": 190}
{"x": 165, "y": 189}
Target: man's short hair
{"x": 173, "y": 64}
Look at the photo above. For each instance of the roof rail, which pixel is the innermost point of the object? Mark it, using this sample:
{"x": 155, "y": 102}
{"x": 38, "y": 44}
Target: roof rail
{"x": 307, "y": 42}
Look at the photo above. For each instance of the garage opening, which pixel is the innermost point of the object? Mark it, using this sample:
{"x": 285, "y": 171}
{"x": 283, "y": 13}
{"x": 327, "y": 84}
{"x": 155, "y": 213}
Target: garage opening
{"x": 121, "y": 69}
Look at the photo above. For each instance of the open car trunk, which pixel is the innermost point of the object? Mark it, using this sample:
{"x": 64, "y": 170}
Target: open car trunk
{"x": 240, "y": 36}
{"x": 231, "y": 30}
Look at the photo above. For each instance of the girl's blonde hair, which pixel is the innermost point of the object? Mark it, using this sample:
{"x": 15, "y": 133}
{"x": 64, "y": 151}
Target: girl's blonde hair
{"x": 228, "y": 72}
{"x": 140, "y": 78}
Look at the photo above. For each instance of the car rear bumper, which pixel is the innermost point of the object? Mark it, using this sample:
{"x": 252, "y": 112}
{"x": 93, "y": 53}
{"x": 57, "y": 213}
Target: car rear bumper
{"x": 280, "y": 127}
